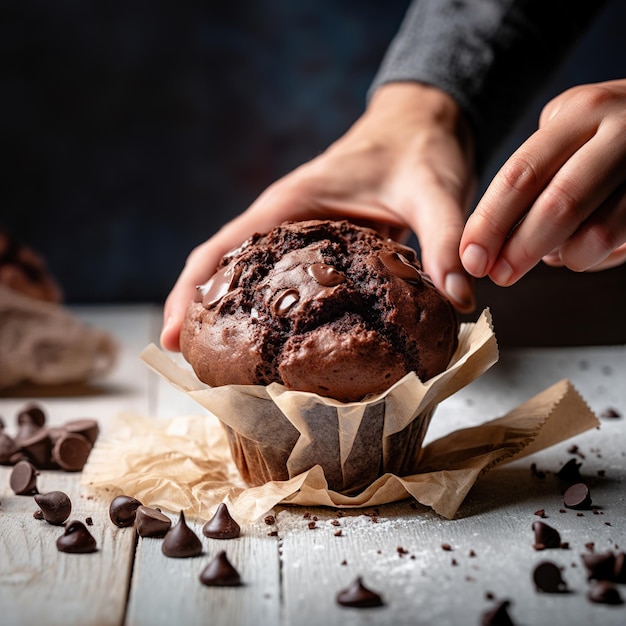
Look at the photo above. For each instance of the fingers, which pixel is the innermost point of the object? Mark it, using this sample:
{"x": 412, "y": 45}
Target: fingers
{"x": 552, "y": 195}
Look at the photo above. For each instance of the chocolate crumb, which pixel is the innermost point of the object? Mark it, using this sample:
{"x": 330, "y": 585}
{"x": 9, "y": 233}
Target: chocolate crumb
{"x": 335, "y": 522}
{"x": 89, "y": 521}
{"x": 306, "y": 515}
{"x": 269, "y": 520}
{"x": 401, "y": 551}
{"x": 344, "y": 562}
{"x": 312, "y": 524}
{"x": 472, "y": 553}
{"x": 562, "y": 511}
{"x": 590, "y": 545}
{"x": 38, "y": 514}
{"x": 602, "y": 473}
{"x": 272, "y": 533}
{"x": 541, "y": 513}
{"x": 338, "y": 533}
{"x": 446, "y": 546}
{"x": 610, "y": 413}
{"x": 454, "y": 562}
{"x": 489, "y": 595}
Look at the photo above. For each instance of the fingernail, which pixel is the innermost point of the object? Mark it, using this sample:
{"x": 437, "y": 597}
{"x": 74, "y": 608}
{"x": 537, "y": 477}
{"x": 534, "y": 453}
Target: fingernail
{"x": 165, "y": 327}
{"x": 475, "y": 260}
{"x": 458, "y": 288}
{"x": 501, "y": 272}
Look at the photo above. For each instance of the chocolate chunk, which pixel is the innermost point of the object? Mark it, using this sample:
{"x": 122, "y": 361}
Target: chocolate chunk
{"x": 498, "y": 616}
{"x": 545, "y": 536}
{"x": 326, "y": 275}
{"x": 599, "y": 565}
{"x": 604, "y": 592}
{"x": 218, "y": 285}
{"x": 71, "y": 451}
{"x": 570, "y": 472}
{"x": 220, "y": 573}
{"x": 38, "y": 448}
{"x": 152, "y": 523}
{"x": 181, "y": 541}
{"x": 55, "y": 506}
{"x": 547, "y": 577}
{"x": 23, "y": 479}
{"x": 76, "y": 539}
{"x": 285, "y": 301}
{"x": 123, "y": 510}
{"x": 359, "y": 596}
{"x": 86, "y": 427}
{"x": 8, "y": 448}
{"x": 577, "y": 497}
{"x": 400, "y": 267}
{"x": 221, "y": 525}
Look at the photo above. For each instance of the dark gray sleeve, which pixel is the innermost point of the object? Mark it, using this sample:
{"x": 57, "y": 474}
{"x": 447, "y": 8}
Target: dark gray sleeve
{"x": 491, "y": 56}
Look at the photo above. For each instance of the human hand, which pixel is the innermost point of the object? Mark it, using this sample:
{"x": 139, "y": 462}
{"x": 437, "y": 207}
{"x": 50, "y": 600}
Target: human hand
{"x": 561, "y": 197}
{"x": 405, "y": 164}
{"x": 23, "y": 270}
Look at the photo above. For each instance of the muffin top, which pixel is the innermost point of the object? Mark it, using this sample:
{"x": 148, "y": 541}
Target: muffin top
{"x": 321, "y": 306}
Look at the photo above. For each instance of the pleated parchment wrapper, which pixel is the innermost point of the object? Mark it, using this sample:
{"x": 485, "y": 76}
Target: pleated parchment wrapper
{"x": 43, "y": 343}
{"x": 331, "y": 454}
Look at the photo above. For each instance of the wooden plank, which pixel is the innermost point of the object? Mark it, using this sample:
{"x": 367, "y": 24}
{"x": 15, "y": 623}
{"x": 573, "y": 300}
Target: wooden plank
{"x": 168, "y": 591}
{"x": 38, "y": 584}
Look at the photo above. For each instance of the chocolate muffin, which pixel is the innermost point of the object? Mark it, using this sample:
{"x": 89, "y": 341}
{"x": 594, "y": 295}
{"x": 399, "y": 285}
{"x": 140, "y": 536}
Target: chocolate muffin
{"x": 320, "y": 306}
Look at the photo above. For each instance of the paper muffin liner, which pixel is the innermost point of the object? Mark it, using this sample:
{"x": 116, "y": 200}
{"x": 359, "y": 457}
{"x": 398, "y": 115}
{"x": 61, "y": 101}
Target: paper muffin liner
{"x": 276, "y": 434}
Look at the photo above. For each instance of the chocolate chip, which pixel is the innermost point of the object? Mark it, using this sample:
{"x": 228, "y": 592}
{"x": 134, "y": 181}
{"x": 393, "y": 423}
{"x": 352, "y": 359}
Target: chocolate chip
{"x": 32, "y": 415}
{"x": 220, "y": 573}
{"x": 86, "y": 427}
{"x": 151, "y": 522}
{"x": 221, "y": 525}
{"x": 545, "y": 536}
{"x": 547, "y": 577}
{"x": 357, "y": 595}
{"x": 76, "y": 539}
{"x": 218, "y": 285}
{"x": 498, "y": 616}
{"x": 55, "y": 506}
{"x": 8, "y": 448}
{"x": 123, "y": 510}
{"x": 400, "y": 267}
{"x": 599, "y": 565}
{"x": 325, "y": 275}
{"x": 570, "y": 472}
{"x": 577, "y": 497}
{"x": 71, "y": 451}
{"x": 181, "y": 541}
{"x": 285, "y": 301}
{"x": 23, "y": 479}
{"x": 38, "y": 448}
{"x": 604, "y": 592}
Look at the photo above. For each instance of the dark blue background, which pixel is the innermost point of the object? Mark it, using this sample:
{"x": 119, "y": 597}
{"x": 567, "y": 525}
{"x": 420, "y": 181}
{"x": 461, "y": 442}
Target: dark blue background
{"x": 131, "y": 131}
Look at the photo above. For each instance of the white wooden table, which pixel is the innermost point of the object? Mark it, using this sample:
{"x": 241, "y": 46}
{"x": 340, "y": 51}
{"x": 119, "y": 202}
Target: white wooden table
{"x": 292, "y": 577}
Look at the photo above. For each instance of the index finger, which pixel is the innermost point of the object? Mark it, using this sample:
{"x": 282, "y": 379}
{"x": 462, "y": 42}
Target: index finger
{"x": 515, "y": 187}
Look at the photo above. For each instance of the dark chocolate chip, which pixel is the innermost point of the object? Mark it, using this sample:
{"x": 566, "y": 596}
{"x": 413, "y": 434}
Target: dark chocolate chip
{"x": 76, "y": 539}
{"x": 220, "y": 573}
{"x": 570, "y": 472}
{"x": 545, "y": 536}
{"x": 498, "y": 616}
{"x": 620, "y": 568}
{"x": 221, "y": 525}
{"x": 38, "y": 448}
{"x": 218, "y": 285}
{"x": 55, "y": 506}
{"x": 23, "y": 479}
{"x": 123, "y": 510}
{"x": 599, "y": 565}
{"x": 326, "y": 275}
{"x": 400, "y": 267}
{"x": 357, "y": 595}
{"x": 33, "y": 414}
{"x": 285, "y": 301}
{"x": 181, "y": 541}
{"x": 547, "y": 577}
{"x": 577, "y": 497}
{"x": 8, "y": 448}
{"x": 152, "y": 523}
{"x": 71, "y": 451}
{"x": 86, "y": 427}
{"x": 604, "y": 592}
